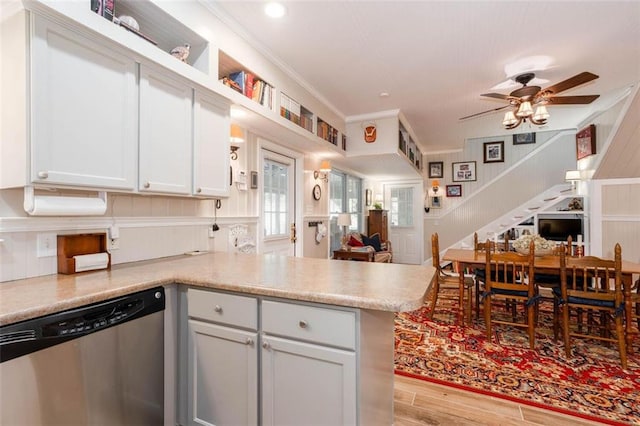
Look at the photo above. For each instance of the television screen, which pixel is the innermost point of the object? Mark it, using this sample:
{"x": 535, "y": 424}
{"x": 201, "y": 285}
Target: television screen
{"x": 558, "y": 229}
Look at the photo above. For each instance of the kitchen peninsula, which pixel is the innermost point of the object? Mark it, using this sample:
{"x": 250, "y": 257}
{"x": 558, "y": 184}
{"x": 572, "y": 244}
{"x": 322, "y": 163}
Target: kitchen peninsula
{"x": 344, "y": 308}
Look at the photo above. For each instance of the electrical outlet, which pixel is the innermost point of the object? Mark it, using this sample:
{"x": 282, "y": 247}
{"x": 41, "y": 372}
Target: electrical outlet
{"x": 47, "y": 245}
{"x": 114, "y": 244}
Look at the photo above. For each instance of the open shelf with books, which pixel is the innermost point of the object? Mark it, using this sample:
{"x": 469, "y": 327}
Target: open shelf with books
{"x": 327, "y": 132}
{"x": 408, "y": 147}
{"x": 235, "y": 76}
{"x": 296, "y": 113}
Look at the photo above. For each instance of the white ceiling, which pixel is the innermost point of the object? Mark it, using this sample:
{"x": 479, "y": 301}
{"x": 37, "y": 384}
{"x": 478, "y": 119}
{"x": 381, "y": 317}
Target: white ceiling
{"x": 435, "y": 58}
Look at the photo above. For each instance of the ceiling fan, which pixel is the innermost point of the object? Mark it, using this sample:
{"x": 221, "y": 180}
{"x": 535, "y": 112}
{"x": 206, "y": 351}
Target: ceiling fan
{"x": 525, "y": 97}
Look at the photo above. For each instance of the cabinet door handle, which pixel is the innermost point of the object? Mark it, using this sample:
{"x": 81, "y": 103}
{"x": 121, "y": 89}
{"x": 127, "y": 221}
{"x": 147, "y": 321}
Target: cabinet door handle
{"x": 249, "y": 341}
{"x": 303, "y": 324}
{"x": 266, "y": 345}
{"x": 218, "y": 309}
{"x": 147, "y": 185}
{"x": 199, "y": 190}
{"x": 43, "y": 175}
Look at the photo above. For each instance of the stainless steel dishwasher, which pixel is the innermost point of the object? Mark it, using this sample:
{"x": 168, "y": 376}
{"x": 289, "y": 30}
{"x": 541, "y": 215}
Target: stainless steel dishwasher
{"x": 100, "y": 364}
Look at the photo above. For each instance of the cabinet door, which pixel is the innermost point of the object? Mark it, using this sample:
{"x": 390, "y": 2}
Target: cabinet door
{"x": 83, "y": 111}
{"x": 211, "y": 146}
{"x": 165, "y": 133}
{"x": 223, "y": 375}
{"x": 305, "y": 384}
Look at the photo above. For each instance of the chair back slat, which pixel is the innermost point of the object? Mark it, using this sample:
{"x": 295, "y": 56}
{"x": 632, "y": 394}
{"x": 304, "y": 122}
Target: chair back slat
{"x": 592, "y": 277}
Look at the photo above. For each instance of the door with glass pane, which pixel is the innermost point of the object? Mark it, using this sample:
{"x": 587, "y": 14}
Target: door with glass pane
{"x": 278, "y": 204}
{"x": 405, "y": 222}
{"x": 345, "y": 197}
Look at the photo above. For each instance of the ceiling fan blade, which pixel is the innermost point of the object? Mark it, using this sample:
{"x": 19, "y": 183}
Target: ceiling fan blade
{"x": 497, "y": 96}
{"x": 565, "y": 100}
{"x": 485, "y": 112}
{"x": 574, "y": 81}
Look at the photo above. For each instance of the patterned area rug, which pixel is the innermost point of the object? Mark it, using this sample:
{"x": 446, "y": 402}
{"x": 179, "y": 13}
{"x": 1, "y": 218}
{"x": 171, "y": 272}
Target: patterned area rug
{"x": 590, "y": 385}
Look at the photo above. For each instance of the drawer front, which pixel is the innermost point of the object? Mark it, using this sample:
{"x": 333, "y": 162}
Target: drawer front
{"x": 230, "y": 309}
{"x": 310, "y": 323}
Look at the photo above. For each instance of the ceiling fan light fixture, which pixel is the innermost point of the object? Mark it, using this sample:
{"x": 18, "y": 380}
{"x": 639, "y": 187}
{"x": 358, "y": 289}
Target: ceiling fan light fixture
{"x": 509, "y": 119}
{"x": 541, "y": 113}
{"x": 525, "y": 110}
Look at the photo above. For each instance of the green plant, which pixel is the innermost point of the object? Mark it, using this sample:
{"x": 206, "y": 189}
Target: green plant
{"x": 377, "y": 206}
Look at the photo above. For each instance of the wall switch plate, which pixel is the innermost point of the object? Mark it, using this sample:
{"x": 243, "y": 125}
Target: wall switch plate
{"x": 47, "y": 245}
{"x": 114, "y": 244}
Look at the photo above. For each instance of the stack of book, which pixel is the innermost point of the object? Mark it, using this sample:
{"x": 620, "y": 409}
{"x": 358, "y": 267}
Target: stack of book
{"x": 327, "y": 132}
{"x": 296, "y": 113}
{"x": 250, "y": 86}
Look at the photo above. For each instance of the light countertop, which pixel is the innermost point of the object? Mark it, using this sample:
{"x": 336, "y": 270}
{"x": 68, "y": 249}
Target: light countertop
{"x": 376, "y": 286}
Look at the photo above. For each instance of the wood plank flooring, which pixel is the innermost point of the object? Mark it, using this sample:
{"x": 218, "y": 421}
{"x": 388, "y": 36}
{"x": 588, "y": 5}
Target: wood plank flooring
{"x": 417, "y": 402}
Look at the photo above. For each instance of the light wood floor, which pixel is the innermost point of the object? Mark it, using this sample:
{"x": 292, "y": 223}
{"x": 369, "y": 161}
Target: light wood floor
{"x": 417, "y": 402}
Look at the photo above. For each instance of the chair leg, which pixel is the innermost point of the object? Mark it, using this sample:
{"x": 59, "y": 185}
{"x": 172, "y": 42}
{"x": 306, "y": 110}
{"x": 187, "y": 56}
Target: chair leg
{"x": 434, "y": 296}
{"x": 622, "y": 342}
{"x": 556, "y": 319}
{"x": 531, "y": 325}
{"x": 487, "y": 315}
{"x": 565, "y": 330}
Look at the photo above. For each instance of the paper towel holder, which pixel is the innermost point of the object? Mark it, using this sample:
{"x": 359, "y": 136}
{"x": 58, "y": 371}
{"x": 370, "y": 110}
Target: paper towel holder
{"x": 77, "y": 245}
{"x": 63, "y": 206}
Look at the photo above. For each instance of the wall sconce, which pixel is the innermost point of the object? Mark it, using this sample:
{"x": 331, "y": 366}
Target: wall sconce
{"x": 237, "y": 138}
{"x": 323, "y": 172}
{"x": 435, "y": 187}
{"x": 573, "y": 176}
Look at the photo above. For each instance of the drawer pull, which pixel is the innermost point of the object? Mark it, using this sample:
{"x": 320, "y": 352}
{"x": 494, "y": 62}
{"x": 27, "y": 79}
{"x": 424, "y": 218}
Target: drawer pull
{"x": 218, "y": 309}
{"x": 249, "y": 341}
{"x": 303, "y": 324}
{"x": 43, "y": 175}
{"x": 266, "y": 345}
{"x": 147, "y": 185}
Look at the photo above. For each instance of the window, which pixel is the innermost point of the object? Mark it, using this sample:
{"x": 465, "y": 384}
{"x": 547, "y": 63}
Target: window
{"x": 345, "y": 197}
{"x": 276, "y": 182}
{"x": 401, "y": 207}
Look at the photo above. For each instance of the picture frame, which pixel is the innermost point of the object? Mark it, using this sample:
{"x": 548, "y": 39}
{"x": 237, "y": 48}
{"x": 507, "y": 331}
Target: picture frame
{"x": 524, "y": 138}
{"x": 436, "y": 169}
{"x": 463, "y": 171}
{"x": 454, "y": 190}
{"x": 435, "y": 202}
{"x": 586, "y": 142}
{"x": 367, "y": 197}
{"x": 493, "y": 152}
{"x": 254, "y": 180}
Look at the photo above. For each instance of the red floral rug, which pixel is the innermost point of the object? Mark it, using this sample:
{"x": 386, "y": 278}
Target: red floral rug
{"x": 591, "y": 384}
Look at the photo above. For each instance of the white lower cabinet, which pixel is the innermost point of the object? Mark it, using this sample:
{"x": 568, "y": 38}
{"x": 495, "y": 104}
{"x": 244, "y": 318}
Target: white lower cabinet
{"x": 222, "y": 393}
{"x": 305, "y": 384}
{"x": 253, "y": 360}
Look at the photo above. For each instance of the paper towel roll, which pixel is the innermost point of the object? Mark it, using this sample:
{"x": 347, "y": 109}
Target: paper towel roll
{"x": 46, "y": 205}
{"x": 90, "y": 262}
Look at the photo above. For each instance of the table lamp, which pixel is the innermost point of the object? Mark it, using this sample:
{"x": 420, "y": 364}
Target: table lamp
{"x": 344, "y": 220}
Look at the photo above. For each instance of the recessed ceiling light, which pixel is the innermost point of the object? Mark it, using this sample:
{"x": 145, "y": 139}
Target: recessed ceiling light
{"x": 275, "y": 10}
{"x": 384, "y": 94}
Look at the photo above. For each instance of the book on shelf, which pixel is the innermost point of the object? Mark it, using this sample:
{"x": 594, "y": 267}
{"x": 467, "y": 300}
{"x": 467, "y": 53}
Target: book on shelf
{"x": 248, "y": 85}
{"x": 239, "y": 79}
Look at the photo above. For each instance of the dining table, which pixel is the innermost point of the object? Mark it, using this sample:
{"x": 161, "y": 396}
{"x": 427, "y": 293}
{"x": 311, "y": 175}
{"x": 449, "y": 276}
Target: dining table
{"x": 466, "y": 259}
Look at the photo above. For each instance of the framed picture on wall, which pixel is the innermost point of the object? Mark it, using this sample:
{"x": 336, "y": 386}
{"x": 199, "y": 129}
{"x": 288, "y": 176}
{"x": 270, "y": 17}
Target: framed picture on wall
{"x": 436, "y": 169}
{"x": 494, "y": 152}
{"x": 454, "y": 190}
{"x": 464, "y": 171}
{"x": 435, "y": 202}
{"x": 524, "y": 138}
{"x": 586, "y": 142}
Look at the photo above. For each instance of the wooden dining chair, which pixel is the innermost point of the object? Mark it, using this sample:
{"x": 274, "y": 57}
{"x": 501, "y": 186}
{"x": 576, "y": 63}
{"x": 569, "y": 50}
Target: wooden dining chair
{"x": 510, "y": 279}
{"x": 594, "y": 286}
{"x": 632, "y": 315}
{"x": 448, "y": 281}
{"x": 479, "y": 272}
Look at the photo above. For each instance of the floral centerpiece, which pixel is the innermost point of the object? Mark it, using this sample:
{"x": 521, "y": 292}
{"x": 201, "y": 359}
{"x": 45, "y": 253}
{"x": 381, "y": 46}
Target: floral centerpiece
{"x": 542, "y": 247}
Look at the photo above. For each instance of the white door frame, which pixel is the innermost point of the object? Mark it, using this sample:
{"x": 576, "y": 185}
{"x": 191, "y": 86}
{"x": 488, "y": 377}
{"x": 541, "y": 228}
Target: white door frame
{"x": 298, "y": 179}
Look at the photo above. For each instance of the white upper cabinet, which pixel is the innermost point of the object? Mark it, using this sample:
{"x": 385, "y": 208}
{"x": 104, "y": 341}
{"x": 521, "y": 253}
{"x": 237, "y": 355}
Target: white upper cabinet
{"x": 83, "y": 111}
{"x": 211, "y": 145}
{"x": 165, "y": 132}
